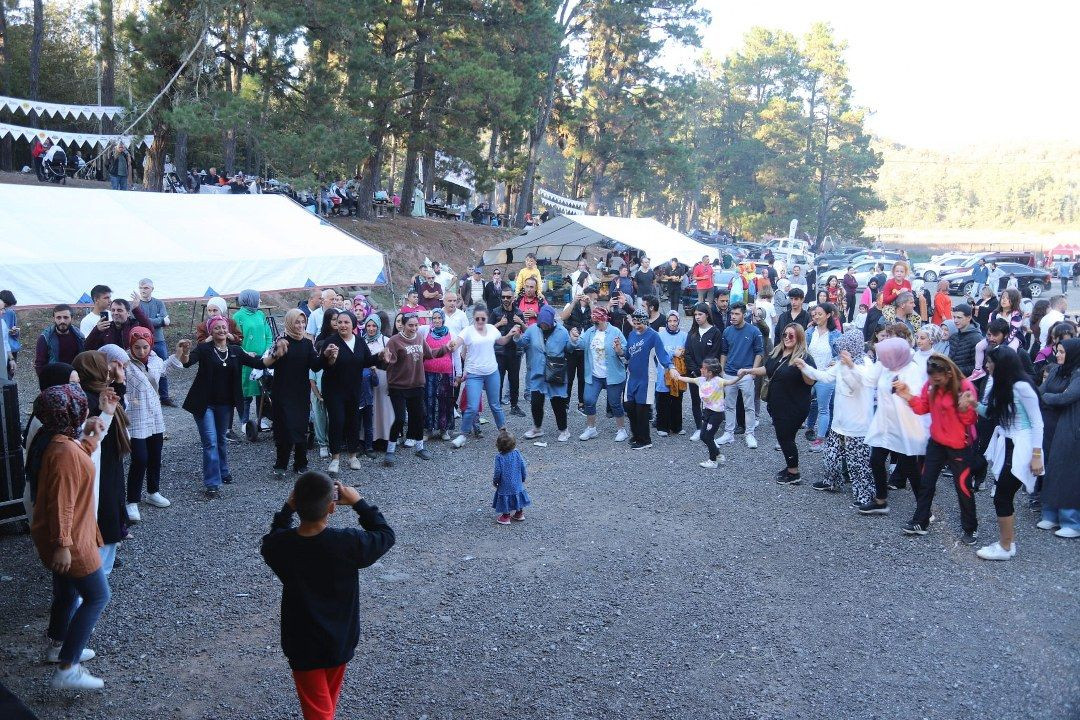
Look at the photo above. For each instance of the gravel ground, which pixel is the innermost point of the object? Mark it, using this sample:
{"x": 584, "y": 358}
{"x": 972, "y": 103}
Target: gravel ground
{"x": 640, "y": 587}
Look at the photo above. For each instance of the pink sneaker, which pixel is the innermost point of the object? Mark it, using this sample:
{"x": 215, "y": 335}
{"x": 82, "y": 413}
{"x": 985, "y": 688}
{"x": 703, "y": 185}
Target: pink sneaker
{"x": 504, "y": 519}
{"x": 519, "y": 516}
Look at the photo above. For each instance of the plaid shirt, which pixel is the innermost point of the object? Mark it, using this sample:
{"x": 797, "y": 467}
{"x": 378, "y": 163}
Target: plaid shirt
{"x": 143, "y": 402}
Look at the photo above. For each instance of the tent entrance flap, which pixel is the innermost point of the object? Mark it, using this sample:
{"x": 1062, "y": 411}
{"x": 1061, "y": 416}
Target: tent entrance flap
{"x": 57, "y": 243}
{"x": 567, "y": 236}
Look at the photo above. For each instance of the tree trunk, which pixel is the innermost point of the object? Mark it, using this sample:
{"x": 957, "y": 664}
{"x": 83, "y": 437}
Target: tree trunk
{"x": 108, "y": 61}
{"x": 155, "y": 157}
{"x": 35, "y": 52}
{"x": 393, "y": 166}
{"x": 228, "y": 150}
{"x": 429, "y": 173}
{"x": 416, "y": 118}
{"x": 180, "y": 154}
{"x": 5, "y": 82}
{"x": 536, "y": 137}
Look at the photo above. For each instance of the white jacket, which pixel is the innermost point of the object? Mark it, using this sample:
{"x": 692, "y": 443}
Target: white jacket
{"x": 895, "y": 426}
{"x": 853, "y": 402}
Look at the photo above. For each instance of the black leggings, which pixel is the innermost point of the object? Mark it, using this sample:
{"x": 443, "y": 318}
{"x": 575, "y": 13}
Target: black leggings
{"x": 713, "y": 421}
{"x": 1007, "y": 485}
{"x": 906, "y": 465}
{"x": 145, "y": 462}
{"x": 786, "y": 429}
{"x": 575, "y": 367}
{"x": 299, "y": 450}
{"x": 409, "y": 401}
{"x": 638, "y": 415}
{"x": 558, "y": 406}
{"x": 669, "y": 412}
{"x": 343, "y": 422}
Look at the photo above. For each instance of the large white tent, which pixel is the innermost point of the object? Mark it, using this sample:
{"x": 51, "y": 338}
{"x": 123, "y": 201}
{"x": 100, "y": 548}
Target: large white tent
{"x": 567, "y": 236}
{"x": 57, "y": 243}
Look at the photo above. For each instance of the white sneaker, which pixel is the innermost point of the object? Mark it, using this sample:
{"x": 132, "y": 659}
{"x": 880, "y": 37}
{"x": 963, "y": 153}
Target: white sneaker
{"x": 776, "y": 446}
{"x": 334, "y": 467}
{"x": 409, "y": 442}
{"x": 662, "y": 433}
{"x": 52, "y": 653}
{"x": 726, "y": 439}
{"x": 1046, "y": 525}
{"x": 710, "y": 464}
{"x": 564, "y": 436}
{"x": 265, "y": 424}
{"x": 457, "y": 414}
{"x": 324, "y": 452}
{"x": 532, "y": 433}
{"x": 158, "y": 500}
{"x": 483, "y": 421}
{"x": 458, "y": 441}
{"x": 75, "y": 678}
{"x": 996, "y": 552}
{"x": 354, "y": 463}
{"x": 751, "y": 442}
{"x": 621, "y": 435}
{"x": 133, "y": 512}
{"x": 696, "y": 436}
{"x": 589, "y": 434}
{"x": 444, "y": 436}
{"x": 1064, "y": 532}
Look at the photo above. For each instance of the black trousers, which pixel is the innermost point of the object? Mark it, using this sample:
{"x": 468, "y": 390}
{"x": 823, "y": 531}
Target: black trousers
{"x": 298, "y": 450}
{"x": 906, "y": 465}
{"x": 852, "y": 306}
{"x": 959, "y": 461}
{"x": 575, "y": 367}
{"x": 145, "y": 463}
{"x": 411, "y": 402}
{"x": 638, "y": 414}
{"x": 1007, "y": 485}
{"x": 342, "y": 421}
{"x": 713, "y": 421}
{"x": 669, "y": 413}
{"x": 786, "y": 429}
{"x": 674, "y": 291}
{"x": 510, "y": 366}
{"x": 558, "y": 406}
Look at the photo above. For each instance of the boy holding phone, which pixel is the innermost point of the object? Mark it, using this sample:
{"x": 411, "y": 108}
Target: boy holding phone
{"x": 319, "y": 570}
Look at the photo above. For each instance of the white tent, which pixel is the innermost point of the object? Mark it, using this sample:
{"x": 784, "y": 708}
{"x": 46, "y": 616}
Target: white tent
{"x": 57, "y": 243}
{"x": 567, "y": 236}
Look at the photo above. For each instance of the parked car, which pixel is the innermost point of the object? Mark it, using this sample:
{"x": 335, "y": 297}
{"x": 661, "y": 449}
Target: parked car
{"x": 1032, "y": 282}
{"x": 838, "y": 259}
{"x": 754, "y": 251}
{"x": 863, "y": 271}
{"x": 1019, "y": 257}
{"x": 931, "y": 271}
{"x": 885, "y": 257}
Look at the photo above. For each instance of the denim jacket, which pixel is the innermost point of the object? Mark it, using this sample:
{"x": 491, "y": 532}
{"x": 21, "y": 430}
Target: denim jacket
{"x": 616, "y": 364}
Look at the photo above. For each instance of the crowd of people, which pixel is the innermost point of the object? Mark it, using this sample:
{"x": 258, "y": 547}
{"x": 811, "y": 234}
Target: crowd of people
{"x": 903, "y": 391}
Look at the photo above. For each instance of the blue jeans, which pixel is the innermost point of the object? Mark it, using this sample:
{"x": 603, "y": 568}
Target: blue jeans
{"x": 70, "y": 621}
{"x": 474, "y": 385}
{"x": 162, "y": 352}
{"x": 614, "y": 396}
{"x": 212, "y": 426}
{"x": 118, "y": 183}
{"x": 823, "y": 392}
{"x": 1065, "y": 517}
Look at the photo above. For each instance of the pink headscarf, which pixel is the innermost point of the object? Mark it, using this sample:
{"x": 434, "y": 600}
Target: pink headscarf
{"x": 894, "y": 353}
{"x": 216, "y": 320}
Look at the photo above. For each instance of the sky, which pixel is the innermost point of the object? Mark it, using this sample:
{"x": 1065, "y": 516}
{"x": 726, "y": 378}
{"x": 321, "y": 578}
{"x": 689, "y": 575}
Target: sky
{"x": 942, "y": 74}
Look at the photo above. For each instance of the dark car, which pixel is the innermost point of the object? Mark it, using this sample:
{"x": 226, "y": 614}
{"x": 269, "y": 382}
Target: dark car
{"x": 1018, "y": 258}
{"x": 1031, "y": 282}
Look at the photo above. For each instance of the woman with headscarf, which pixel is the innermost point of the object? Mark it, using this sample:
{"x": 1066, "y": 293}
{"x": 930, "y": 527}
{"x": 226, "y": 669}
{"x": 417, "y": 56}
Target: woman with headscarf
{"x": 214, "y": 394}
{"x": 645, "y": 351}
{"x": 65, "y": 530}
{"x": 381, "y": 411}
{"x": 318, "y": 407}
{"x": 289, "y": 391}
{"x": 347, "y": 356}
{"x": 100, "y": 375}
{"x": 361, "y": 308}
{"x": 1061, "y": 484}
{"x": 257, "y": 338}
{"x": 894, "y": 428}
{"x": 216, "y": 307}
{"x": 927, "y": 336}
{"x": 669, "y": 392}
{"x": 946, "y": 331}
{"x": 147, "y": 428}
{"x": 544, "y": 340}
{"x": 845, "y": 454}
{"x": 439, "y": 381}
{"x": 51, "y": 375}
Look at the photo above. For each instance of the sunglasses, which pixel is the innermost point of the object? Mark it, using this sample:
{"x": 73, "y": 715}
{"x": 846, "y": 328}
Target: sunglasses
{"x": 481, "y": 318}
{"x": 789, "y": 336}
{"x": 507, "y": 297}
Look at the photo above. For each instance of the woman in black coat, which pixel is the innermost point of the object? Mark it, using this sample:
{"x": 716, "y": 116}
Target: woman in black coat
{"x": 214, "y": 394}
{"x": 291, "y": 393}
{"x": 346, "y": 357}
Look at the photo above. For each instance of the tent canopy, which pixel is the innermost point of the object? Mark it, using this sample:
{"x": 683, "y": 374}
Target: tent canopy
{"x": 567, "y": 236}
{"x": 57, "y": 243}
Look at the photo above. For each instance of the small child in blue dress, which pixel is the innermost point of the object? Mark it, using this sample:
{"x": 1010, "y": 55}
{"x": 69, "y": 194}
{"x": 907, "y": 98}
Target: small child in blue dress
{"x": 510, "y": 496}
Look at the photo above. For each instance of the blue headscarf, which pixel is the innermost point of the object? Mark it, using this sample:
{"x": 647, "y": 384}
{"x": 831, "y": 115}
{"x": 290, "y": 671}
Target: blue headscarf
{"x": 373, "y": 318}
{"x": 248, "y": 299}
{"x": 438, "y": 332}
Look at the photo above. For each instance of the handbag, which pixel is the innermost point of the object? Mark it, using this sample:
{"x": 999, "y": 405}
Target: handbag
{"x": 554, "y": 368}
{"x": 764, "y": 394}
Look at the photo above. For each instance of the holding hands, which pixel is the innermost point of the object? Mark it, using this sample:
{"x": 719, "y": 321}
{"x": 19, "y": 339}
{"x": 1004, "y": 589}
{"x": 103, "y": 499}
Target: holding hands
{"x": 331, "y": 353}
{"x": 845, "y": 358}
{"x": 965, "y": 401}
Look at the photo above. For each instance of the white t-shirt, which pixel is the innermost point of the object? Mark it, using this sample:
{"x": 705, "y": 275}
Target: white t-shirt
{"x": 476, "y": 292}
{"x": 598, "y": 348}
{"x": 351, "y": 342}
{"x": 88, "y": 323}
{"x": 480, "y": 357}
{"x": 314, "y": 324}
{"x": 819, "y": 348}
{"x": 1049, "y": 319}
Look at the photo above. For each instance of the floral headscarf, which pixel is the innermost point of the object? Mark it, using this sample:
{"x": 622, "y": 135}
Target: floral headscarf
{"x": 361, "y": 307}
{"x": 62, "y": 409}
{"x": 853, "y": 342}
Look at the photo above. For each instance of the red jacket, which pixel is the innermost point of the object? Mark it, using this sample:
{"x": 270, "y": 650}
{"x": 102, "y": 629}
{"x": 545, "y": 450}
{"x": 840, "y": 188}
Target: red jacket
{"x": 948, "y": 426}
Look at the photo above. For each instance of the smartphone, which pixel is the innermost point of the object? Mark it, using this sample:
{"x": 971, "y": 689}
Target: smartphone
{"x": 337, "y": 494}
{"x": 105, "y": 315}
{"x": 895, "y": 378}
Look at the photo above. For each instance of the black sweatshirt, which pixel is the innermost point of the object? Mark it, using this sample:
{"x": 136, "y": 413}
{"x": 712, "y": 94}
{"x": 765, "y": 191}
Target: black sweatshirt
{"x": 320, "y": 597}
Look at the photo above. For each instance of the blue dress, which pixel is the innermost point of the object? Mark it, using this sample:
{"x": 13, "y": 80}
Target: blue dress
{"x": 510, "y": 495}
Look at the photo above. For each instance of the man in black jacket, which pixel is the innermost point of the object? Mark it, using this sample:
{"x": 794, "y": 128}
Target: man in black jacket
{"x": 119, "y": 167}
{"x": 962, "y": 343}
{"x": 504, "y": 317}
{"x": 319, "y": 571}
{"x": 719, "y": 312}
{"x": 794, "y": 315}
{"x": 671, "y": 274}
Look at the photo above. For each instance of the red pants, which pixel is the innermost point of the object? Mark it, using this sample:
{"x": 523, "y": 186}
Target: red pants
{"x": 318, "y": 691}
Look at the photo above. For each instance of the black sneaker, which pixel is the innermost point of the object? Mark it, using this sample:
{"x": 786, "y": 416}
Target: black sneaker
{"x": 636, "y": 445}
{"x": 609, "y": 414}
{"x": 231, "y": 436}
{"x": 423, "y": 454}
{"x": 969, "y": 539}
{"x": 823, "y": 485}
{"x": 786, "y": 478}
{"x": 168, "y": 402}
{"x": 810, "y": 434}
{"x": 516, "y": 411}
{"x": 251, "y": 429}
{"x": 211, "y": 493}
{"x": 914, "y": 528}
{"x": 227, "y": 479}
{"x": 873, "y": 508}
{"x": 279, "y": 472}
{"x": 300, "y": 470}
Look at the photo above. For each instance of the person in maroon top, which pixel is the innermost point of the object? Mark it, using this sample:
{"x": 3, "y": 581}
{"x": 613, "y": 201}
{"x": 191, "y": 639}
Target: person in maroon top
{"x": 117, "y": 330}
{"x": 59, "y": 343}
{"x": 529, "y": 302}
{"x": 431, "y": 292}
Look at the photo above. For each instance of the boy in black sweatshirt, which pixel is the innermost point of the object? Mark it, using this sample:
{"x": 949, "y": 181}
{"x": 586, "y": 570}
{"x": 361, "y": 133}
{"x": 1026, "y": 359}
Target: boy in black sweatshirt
{"x": 318, "y": 568}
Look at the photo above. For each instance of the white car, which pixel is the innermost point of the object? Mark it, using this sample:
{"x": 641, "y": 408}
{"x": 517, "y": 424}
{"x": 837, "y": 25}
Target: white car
{"x": 863, "y": 271}
{"x": 931, "y": 271}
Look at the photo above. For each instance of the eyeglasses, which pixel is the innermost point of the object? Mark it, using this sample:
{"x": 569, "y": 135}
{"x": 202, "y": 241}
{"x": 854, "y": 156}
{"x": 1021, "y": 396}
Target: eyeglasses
{"x": 507, "y": 297}
{"x": 481, "y": 318}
